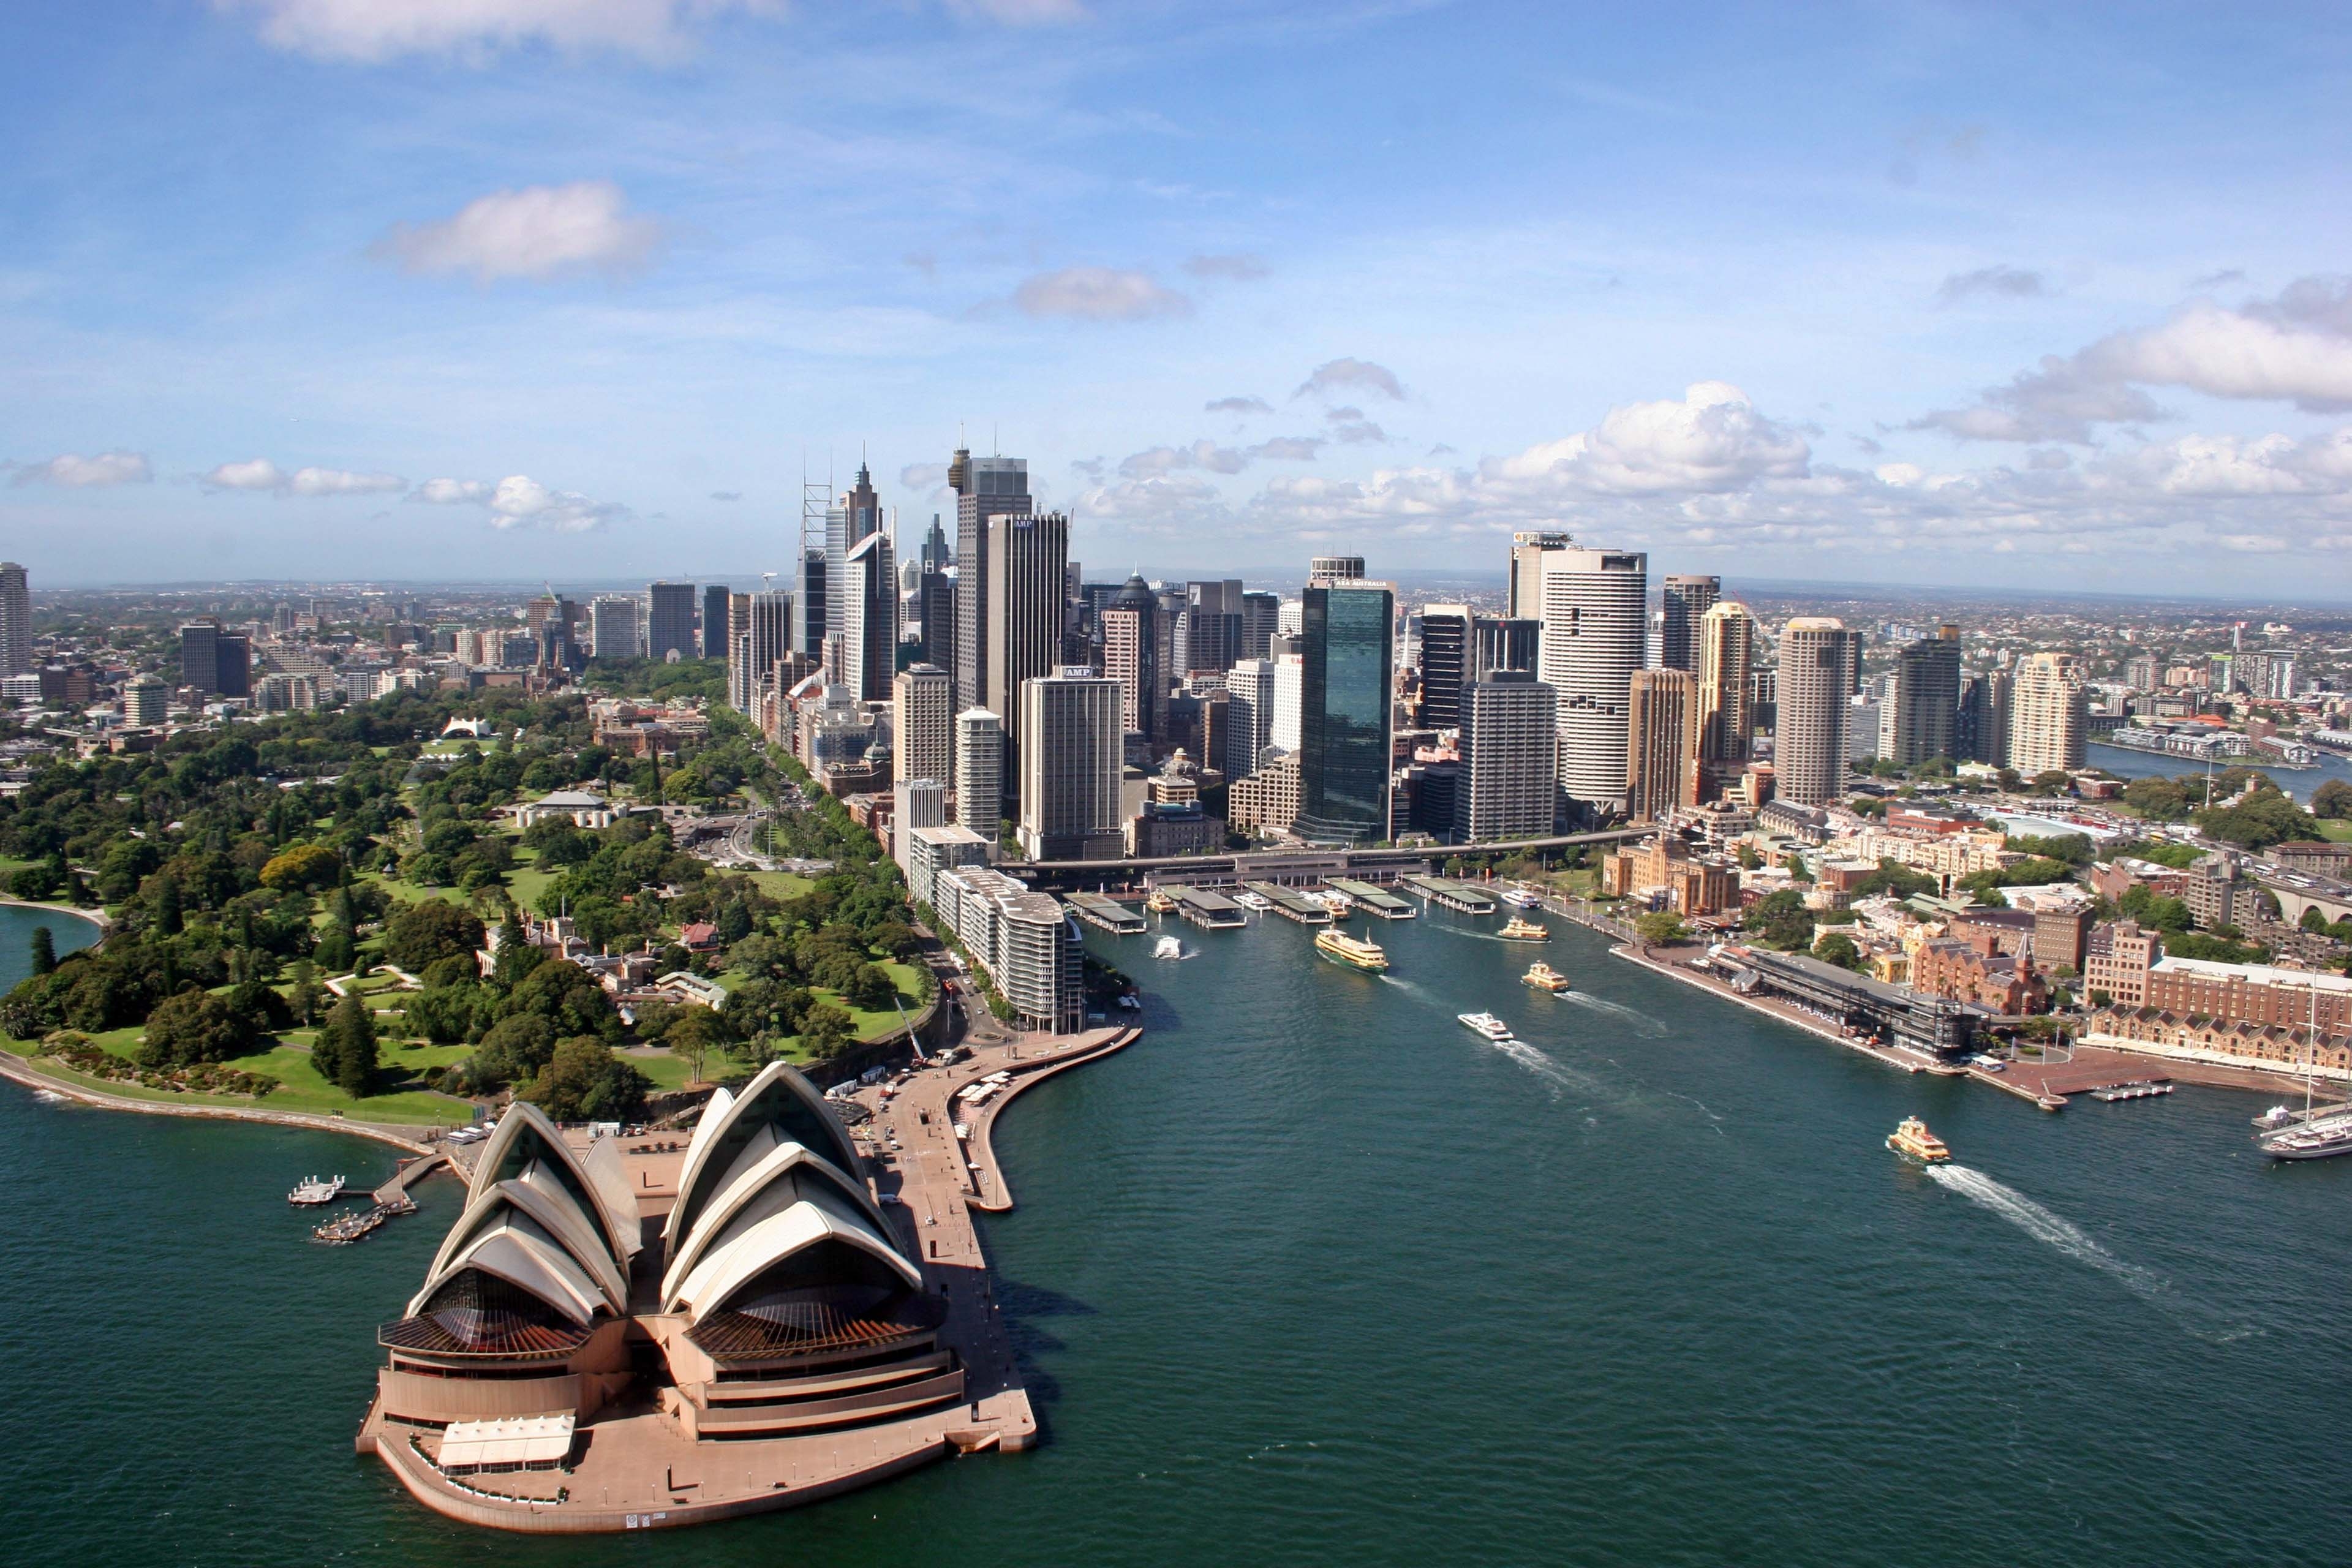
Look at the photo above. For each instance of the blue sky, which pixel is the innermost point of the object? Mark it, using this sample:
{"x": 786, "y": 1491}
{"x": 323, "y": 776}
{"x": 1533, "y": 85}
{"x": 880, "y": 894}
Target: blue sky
{"x": 514, "y": 288}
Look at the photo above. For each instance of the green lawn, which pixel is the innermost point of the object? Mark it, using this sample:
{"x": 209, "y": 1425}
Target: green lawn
{"x": 300, "y": 1087}
{"x": 2336, "y": 829}
{"x": 781, "y": 884}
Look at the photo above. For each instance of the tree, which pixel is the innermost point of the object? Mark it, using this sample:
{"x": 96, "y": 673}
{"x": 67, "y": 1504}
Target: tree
{"x": 45, "y": 951}
{"x": 192, "y": 1026}
{"x": 428, "y": 930}
{"x": 696, "y": 1032}
{"x": 349, "y": 1041}
{"x": 2332, "y": 800}
{"x": 826, "y": 1031}
{"x": 1836, "y": 947}
{"x": 260, "y": 1010}
{"x": 734, "y": 923}
{"x": 1661, "y": 928}
{"x": 303, "y": 865}
{"x": 1780, "y": 920}
{"x": 584, "y": 1082}
{"x": 2262, "y": 819}
{"x": 514, "y": 1050}
{"x": 167, "y": 908}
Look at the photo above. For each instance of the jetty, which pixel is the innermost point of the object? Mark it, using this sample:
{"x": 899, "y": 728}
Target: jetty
{"x": 1291, "y": 905}
{"x": 1105, "y": 913}
{"x": 1372, "y": 900}
{"x": 1457, "y": 896}
{"x": 1210, "y": 912}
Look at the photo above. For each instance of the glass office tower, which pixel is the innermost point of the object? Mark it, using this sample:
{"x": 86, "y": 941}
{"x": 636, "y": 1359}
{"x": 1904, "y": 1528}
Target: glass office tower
{"x": 1348, "y": 675}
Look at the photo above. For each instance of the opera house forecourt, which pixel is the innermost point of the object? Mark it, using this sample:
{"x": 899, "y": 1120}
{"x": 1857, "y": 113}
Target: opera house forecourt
{"x": 625, "y": 1334}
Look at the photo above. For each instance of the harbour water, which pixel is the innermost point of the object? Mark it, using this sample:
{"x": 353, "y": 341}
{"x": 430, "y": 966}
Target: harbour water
{"x": 67, "y": 933}
{"x": 1315, "y": 1275}
{"x": 2298, "y": 783}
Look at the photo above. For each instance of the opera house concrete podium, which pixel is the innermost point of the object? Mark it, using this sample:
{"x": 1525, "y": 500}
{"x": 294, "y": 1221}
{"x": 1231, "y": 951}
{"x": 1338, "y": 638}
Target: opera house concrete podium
{"x": 616, "y": 1338}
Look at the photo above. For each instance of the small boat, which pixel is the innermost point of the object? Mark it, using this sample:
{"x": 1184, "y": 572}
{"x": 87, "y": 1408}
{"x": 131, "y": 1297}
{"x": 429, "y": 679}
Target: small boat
{"x": 2303, "y": 1142}
{"x": 1168, "y": 947}
{"x": 1518, "y": 928}
{"x": 1159, "y": 903}
{"x": 310, "y": 1194}
{"x": 1338, "y": 903}
{"x": 1912, "y": 1138}
{"x": 1544, "y": 977}
{"x": 1350, "y": 951}
{"x": 1487, "y": 1024}
{"x": 1250, "y": 901}
{"x": 1519, "y": 896}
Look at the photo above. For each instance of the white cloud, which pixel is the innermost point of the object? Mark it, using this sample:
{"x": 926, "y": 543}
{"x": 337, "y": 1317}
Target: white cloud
{"x": 453, "y": 493}
{"x": 727, "y": 495}
{"x": 1240, "y": 268}
{"x": 1288, "y": 448}
{"x": 1238, "y": 406}
{"x": 2295, "y": 349}
{"x": 2013, "y": 282}
{"x": 1100, "y": 294}
{"x": 93, "y": 472}
{"x": 375, "y": 30}
{"x": 1201, "y": 454}
{"x": 537, "y": 232}
{"x": 1333, "y": 375}
{"x": 261, "y": 474}
{"x": 1161, "y": 503}
{"x": 520, "y": 501}
{"x": 1350, "y": 428}
{"x": 923, "y": 476}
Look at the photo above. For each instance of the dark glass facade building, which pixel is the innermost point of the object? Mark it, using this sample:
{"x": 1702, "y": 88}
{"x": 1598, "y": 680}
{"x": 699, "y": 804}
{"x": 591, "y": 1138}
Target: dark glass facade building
{"x": 1347, "y": 676}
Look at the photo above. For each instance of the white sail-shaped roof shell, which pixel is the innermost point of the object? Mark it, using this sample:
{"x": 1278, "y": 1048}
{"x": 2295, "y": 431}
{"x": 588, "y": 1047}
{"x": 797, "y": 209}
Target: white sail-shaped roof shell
{"x": 524, "y": 1134}
{"x": 778, "y": 1096}
{"x": 546, "y": 1203}
{"x": 769, "y": 1177}
{"x": 525, "y": 1257}
{"x": 744, "y": 1256}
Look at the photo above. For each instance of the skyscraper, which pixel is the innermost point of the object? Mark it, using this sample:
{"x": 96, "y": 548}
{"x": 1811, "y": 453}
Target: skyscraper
{"x": 1508, "y": 787}
{"x": 1289, "y": 693}
{"x": 868, "y": 618}
{"x": 1523, "y": 595}
{"x": 669, "y": 620}
{"x": 613, "y": 626}
{"x": 922, "y": 725}
{"x": 1249, "y": 715}
{"x": 15, "y": 619}
{"x": 2047, "y": 715}
{"x": 1981, "y": 729}
{"x": 1322, "y": 571}
{"x": 216, "y": 662}
{"x": 1071, "y": 729}
{"x": 813, "y": 611}
{"x": 1594, "y": 604}
{"x": 1447, "y": 659}
{"x": 1819, "y": 660}
{"x": 1684, "y": 600}
{"x": 1662, "y": 743}
{"x": 1347, "y": 676}
{"x": 985, "y": 489}
{"x": 1926, "y": 701}
{"x": 1023, "y": 633}
{"x": 766, "y": 637}
{"x": 1727, "y": 724}
{"x": 855, "y": 517}
{"x": 1261, "y": 614}
{"x": 714, "y": 620}
{"x": 1507, "y": 644}
{"x": 1209, "y": 631}
{"x": 980, "y": 774}
{"x": 1131, "y": 658}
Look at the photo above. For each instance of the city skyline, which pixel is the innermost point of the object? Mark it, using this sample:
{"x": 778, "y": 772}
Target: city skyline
{"x": 1969, "y": 318}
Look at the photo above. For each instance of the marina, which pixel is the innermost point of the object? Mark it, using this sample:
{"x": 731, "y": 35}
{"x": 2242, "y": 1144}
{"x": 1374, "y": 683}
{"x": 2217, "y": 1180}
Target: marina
{"x": 2131, "y": 1091}
{"x": 311, "y": 1191}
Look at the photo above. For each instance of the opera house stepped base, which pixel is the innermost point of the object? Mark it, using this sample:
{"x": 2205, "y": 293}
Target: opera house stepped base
{"x": 628, "y": 1334}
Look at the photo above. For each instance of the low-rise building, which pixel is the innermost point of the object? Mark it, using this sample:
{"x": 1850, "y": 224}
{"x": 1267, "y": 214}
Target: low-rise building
{"x": 1960, "y": 971}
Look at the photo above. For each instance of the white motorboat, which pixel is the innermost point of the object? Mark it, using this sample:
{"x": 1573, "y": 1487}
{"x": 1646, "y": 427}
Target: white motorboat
{"x": 1168, "y": 947}
{"x": 1487, "y": 1024}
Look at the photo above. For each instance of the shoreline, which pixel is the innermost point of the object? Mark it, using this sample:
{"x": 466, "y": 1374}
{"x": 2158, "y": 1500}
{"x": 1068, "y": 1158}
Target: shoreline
{"x": 21, "y": 1071}
{"x": 98, "y": 917}
{"x": 981, "y": 1143}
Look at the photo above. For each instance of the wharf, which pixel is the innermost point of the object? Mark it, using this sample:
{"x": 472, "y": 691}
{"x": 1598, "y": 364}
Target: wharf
{"x": 1290, "y": 905}
{"x": 1105, "y": 913}
{"x": 1210, "y": 912}
{"x": 1374, "y": 900}
{"x": 1458, "y": 896}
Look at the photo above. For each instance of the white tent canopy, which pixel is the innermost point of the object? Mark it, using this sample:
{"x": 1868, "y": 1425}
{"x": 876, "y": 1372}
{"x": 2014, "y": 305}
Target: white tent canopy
{"x": 520, "y": 1440}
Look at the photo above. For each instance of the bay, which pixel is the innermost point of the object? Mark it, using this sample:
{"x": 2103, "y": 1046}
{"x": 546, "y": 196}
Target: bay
{"x": 1314, "y": 1274}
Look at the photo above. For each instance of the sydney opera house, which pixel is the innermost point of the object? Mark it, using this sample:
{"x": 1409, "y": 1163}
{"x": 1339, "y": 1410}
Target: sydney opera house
{"x": 616, "y": 1337}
